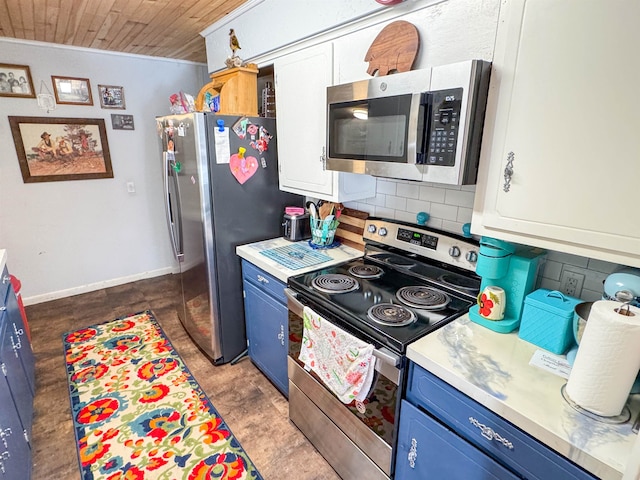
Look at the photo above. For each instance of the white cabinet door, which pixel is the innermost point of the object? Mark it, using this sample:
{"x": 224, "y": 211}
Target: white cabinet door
{"x": 564, "y": 106}
{"x": 301, "y": 81}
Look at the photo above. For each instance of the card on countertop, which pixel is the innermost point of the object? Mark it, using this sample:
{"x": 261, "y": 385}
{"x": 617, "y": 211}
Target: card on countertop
{"x": 550, "y": 362}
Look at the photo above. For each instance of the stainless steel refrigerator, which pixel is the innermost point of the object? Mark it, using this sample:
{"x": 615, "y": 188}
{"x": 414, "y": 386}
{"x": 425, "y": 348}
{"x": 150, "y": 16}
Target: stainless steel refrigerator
{"x": 209, "y": 212}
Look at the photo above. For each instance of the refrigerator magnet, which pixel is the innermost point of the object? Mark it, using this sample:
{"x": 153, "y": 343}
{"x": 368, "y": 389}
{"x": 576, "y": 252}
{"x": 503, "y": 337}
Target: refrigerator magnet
{"x": 242, "y": 168}
{"x": 240, "y": 127}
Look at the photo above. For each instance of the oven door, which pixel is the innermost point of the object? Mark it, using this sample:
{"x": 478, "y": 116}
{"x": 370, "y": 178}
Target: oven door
{"x": 357, "y": 440}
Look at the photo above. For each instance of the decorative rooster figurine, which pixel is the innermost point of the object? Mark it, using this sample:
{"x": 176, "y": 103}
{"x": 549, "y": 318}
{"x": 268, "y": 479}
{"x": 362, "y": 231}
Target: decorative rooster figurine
{"x": 233, "y": 42}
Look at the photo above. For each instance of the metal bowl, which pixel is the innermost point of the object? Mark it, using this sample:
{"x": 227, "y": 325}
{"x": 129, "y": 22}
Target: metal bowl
{"x": 582, "y": 311}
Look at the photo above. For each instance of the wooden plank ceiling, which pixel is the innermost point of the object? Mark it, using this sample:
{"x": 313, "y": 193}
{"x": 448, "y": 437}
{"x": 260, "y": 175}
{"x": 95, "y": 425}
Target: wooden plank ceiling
{"x": 159, "y": 28}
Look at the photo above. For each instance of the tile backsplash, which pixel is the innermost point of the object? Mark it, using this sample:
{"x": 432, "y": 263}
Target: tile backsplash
{"x": 450, "y": 207}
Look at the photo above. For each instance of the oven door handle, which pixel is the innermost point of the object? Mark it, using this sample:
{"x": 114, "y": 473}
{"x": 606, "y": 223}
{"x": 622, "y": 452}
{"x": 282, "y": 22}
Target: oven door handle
{"x": 293, "y": 303}
{"x": 383, "y": 354}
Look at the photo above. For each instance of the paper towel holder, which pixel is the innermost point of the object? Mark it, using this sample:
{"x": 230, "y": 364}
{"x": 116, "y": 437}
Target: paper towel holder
{"x": 623, "y": 417}
{"x": 627, "y": 312}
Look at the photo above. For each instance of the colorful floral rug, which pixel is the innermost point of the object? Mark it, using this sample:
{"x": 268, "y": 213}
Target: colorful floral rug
{"x": 139, "y": 413}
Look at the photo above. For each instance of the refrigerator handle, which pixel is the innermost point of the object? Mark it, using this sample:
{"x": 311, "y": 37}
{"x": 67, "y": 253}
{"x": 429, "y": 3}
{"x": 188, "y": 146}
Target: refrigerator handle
{"x": 167, "y": 203}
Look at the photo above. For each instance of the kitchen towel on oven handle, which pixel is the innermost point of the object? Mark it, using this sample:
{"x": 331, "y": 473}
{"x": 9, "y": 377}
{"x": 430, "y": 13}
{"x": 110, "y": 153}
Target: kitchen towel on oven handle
{"x": 345, "y": 363}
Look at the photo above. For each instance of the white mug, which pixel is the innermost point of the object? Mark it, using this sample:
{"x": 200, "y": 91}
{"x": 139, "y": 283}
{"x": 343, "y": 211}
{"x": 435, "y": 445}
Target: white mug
{"x": 492, "y": 302}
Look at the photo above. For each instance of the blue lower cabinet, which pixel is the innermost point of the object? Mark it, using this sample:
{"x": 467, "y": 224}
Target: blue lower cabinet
{"x": 15, "y": 453}
{"x": 266, "y": 317}
{"x": 427, "y": 449}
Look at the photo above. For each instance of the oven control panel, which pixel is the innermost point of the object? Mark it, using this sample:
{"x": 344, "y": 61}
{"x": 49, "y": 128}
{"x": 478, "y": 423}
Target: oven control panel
{"x": 417, "y": 238}
{"x": 436, "y": 245}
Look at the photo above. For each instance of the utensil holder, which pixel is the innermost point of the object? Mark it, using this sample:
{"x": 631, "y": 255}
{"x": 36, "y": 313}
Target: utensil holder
{"x": 323, "y": 231}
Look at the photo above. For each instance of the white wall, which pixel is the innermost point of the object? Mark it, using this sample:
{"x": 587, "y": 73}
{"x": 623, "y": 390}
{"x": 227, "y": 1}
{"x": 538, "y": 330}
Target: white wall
{"x": 68, "y": 237}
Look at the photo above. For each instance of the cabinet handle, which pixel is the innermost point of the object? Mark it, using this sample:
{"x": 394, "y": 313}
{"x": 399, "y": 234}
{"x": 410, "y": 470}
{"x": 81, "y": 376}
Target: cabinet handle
{"x": 490, "y": 434}
{"x": 261, "y": 279}
{"x": 413, "y": 453}
{"x": 508, "y": 172}
{"x": 323, "y": 159}
{"x": 5, "y": 433}
{"x": 15, "y": 346}
{"x": 281, "y": 335}
{"x": 17, "y": 331}
{"x": 6, "y": 279}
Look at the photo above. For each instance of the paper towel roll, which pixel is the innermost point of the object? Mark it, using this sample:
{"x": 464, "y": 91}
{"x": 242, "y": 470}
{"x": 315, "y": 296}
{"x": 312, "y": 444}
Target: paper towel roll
{"x": 608, "y": 359}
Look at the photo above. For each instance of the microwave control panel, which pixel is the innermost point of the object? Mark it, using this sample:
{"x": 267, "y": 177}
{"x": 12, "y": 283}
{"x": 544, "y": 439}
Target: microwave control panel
{"x": 444, "y": 124}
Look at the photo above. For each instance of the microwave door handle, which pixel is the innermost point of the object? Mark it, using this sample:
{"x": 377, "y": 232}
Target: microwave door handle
{"x": 426, "y": 115}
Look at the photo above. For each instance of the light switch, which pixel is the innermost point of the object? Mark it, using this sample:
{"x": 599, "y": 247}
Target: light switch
{"x": 131, "y": 187}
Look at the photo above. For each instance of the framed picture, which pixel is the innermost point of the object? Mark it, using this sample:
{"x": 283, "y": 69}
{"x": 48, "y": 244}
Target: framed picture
{"x": 111, "y": 96}
{"x": 121, "y": 122}
{"x": 15, "y": 81}
{"x": 55, "y": 149}
{"x": 72, "y": 91}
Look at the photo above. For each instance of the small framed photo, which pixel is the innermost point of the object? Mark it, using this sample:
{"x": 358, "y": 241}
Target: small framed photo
{"x": 15, "y": 81}
{"x": 121, "y": 122}
{"x": 111, "y": 96}
{"x": 72, "y": 91}
{"x": 55, "y": 149}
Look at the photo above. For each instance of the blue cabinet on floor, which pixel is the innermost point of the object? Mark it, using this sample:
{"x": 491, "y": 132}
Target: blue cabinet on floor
{"x": 445, "y": 434}
{"x": 266, "y": 317}
{"x": 17, "y": 387}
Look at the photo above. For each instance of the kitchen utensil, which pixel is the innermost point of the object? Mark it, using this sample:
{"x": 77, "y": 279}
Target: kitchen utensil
{"x": 313, "y": 210}
{"x": 623, "y": 286}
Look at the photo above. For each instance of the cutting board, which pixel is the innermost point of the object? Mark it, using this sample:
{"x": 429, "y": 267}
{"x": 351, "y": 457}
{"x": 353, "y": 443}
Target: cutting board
{"x": 351, "y": 227}
{"x": 394, "y": 49}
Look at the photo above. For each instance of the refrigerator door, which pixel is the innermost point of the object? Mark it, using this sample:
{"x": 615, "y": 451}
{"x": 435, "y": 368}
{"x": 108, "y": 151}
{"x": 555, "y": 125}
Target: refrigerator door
{"x": 186, "y": 149}
{"x": 242, "y": 213}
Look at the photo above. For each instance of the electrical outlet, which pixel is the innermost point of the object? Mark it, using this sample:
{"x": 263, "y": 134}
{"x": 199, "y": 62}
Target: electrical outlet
{"x": 571, "y": 283}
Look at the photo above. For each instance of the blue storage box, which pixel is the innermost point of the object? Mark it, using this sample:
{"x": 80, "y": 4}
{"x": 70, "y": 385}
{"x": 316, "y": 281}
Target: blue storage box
{"x": 547, "y": 320}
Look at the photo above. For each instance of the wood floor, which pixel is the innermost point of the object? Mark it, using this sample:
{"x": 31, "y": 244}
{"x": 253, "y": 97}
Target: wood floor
{"x": 252, "y": 407}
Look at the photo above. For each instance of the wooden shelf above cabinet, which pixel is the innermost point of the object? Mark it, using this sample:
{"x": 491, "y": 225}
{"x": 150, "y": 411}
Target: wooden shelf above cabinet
{"x": 238, "y": 90}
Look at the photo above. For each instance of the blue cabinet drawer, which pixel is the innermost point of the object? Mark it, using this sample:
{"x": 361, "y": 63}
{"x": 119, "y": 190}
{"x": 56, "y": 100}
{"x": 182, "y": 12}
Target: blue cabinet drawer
{"x": 427, "y": 449}
{"x": 488, "y": 431}
{"x": 264, "y": 281}
{"x": 4, "y": 285}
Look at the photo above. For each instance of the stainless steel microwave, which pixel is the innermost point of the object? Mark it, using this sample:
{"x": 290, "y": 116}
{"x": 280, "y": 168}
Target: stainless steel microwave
{"x": 423, "y": 125}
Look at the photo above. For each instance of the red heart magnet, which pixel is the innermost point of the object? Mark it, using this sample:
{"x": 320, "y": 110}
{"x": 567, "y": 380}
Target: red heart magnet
{"x": 243, "y": 167}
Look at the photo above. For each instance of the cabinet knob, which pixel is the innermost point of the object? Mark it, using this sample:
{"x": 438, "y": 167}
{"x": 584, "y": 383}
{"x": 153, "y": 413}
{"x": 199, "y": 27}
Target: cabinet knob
{"x": 6, "y": 279}
{"x": 508, "y": 172}
{"x": 261, "y": 279}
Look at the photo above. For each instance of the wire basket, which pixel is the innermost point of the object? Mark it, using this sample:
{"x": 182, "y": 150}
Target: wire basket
{"x": 323, "y": 231}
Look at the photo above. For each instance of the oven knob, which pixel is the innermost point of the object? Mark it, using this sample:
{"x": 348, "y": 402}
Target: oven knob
{"x": 372, "y": 229}
{"x": 454, "y": 251}
{"x": 382, "y": 232}
{"x": 472, "y": 257}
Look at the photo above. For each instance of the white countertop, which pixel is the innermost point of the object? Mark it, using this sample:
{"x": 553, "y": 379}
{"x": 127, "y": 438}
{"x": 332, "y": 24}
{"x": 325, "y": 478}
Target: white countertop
{"x": 493, "y": 369}
{"x": 251, "y": 253}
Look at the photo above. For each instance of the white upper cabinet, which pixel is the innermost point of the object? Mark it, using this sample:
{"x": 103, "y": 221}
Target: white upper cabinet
{"x": 301, "y": 81}
{"x": 560, "y": 161}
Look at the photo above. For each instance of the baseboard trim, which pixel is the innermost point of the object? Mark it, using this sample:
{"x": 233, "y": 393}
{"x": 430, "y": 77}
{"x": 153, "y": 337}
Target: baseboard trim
{"x": 69, "y": 292}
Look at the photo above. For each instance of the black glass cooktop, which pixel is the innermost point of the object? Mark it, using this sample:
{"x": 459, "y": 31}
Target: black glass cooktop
{"x": 350, "y": 309}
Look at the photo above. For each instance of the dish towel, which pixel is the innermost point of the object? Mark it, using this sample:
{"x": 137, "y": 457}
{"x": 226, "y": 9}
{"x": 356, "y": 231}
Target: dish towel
{"x": 344, "y": 363}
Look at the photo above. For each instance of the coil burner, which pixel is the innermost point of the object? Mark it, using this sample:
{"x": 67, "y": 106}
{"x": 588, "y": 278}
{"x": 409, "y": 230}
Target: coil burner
{"x": 399, "y": 262}
{"x": 366, "y": 271}
{"x": 423, "y": 297}
{"x": 335, "y": 283}
{"x": 391, "y": 315}
{"x": 458, "y": 281}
